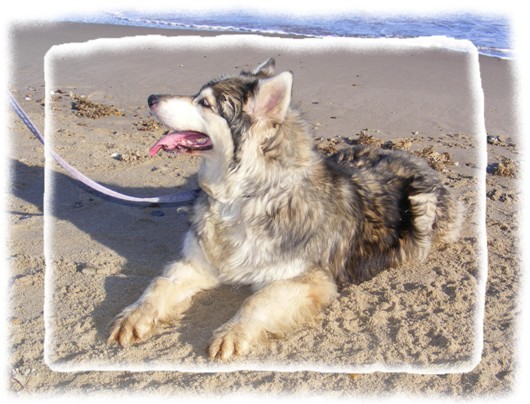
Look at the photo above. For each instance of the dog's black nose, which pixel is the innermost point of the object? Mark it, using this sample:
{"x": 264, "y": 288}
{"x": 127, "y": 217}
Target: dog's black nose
{"x": 153, "y": 99}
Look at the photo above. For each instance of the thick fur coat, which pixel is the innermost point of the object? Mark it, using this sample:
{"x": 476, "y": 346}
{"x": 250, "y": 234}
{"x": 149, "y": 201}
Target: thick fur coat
{"x": 274, "y": 214}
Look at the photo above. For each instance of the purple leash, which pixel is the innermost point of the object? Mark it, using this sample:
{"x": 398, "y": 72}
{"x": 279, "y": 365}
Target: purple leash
{"x": 184, "y": 196}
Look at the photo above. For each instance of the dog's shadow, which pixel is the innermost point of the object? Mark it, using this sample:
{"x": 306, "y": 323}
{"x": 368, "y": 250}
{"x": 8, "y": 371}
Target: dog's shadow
{"x": 192, "y": 329}
{"x": 207, "y": 312}
{"x": 146, "y": 237}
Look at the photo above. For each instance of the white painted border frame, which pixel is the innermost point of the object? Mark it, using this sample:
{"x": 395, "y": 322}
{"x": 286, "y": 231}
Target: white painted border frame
{"x": 314, "y": 44}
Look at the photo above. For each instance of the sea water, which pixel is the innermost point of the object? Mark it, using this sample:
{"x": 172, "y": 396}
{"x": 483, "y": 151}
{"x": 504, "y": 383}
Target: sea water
{"x": 489, "y": 33}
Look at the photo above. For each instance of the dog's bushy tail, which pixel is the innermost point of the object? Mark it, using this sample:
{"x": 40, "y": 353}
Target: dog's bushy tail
{"x": 449, "y": 217}
{"x": 436, "y": 214}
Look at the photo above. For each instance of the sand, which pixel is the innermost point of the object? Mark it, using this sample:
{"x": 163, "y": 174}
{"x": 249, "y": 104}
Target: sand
{"x": 417, "y": 329}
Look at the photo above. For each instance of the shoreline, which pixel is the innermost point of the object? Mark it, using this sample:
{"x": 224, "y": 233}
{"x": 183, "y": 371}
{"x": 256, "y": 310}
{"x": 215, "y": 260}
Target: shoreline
{"x": 121, "y": 247}
{"x": 498, "y": 51}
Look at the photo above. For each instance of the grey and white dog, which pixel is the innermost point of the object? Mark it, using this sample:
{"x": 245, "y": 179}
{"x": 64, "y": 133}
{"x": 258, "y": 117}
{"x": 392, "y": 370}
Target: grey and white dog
{"x": 274, "y": 214}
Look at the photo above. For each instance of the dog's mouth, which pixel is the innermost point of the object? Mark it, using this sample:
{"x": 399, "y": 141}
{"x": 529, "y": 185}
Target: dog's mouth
{"x": 182, "y": 142}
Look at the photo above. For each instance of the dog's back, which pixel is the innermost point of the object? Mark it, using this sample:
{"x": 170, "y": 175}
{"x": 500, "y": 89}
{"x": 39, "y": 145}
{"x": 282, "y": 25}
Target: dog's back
{"x": 399, "y": 207}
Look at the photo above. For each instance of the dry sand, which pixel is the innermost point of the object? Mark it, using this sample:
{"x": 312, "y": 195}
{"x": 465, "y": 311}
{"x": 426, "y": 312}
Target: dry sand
{"x": 102, "y": 253}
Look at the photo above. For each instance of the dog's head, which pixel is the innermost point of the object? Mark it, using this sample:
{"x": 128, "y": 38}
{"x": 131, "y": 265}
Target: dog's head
{"x": 225, "y": 115}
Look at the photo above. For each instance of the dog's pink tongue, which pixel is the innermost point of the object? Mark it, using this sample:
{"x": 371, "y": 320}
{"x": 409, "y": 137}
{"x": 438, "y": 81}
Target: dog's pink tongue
{"x": 168, "y": 142}
{"x": 185, "y": 141}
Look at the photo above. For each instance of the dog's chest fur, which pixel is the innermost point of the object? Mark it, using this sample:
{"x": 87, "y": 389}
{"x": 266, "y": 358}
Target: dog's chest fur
{"x": 236, "y": 242}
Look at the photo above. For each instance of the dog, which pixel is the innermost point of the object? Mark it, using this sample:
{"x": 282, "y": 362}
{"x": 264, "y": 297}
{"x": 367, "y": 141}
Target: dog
{"x": 275, "y": 214}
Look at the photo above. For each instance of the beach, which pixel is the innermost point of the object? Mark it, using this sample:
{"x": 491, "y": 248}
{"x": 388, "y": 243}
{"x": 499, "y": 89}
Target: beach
{"x": 444, "y": 327}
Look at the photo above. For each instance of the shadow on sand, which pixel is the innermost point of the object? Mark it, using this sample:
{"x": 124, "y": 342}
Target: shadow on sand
{"x": 147, "y": 236}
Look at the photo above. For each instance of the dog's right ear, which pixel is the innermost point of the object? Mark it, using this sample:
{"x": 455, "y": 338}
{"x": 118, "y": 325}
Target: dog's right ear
{"x": 272, "y": 98}
{"x": 266, "y": 69}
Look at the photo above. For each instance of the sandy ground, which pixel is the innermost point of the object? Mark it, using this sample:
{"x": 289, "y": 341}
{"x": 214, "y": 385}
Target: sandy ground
{"x": 423, "y": 318}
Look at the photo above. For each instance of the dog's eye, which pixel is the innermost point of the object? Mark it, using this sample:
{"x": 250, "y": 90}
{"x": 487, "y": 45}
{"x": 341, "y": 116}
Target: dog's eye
{"x": 204, "y": 102}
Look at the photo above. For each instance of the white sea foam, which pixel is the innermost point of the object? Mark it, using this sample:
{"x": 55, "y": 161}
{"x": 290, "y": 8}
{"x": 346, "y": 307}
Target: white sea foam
{"x": 491, "y": 35}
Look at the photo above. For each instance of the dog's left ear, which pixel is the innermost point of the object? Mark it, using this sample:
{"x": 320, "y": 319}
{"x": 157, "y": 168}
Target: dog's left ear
{"x": 266, "y": 69}
{"x": 273, "y": 98}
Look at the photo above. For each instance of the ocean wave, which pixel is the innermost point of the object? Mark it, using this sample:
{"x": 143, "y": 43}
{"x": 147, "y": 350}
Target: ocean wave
{"x": 490, "y": 36}
{"x": 168, "y": 24}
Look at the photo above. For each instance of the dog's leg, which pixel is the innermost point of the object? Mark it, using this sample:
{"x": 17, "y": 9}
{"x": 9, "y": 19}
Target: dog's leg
{"x": 276, "y": 308}
{"x": 160, "y": 301}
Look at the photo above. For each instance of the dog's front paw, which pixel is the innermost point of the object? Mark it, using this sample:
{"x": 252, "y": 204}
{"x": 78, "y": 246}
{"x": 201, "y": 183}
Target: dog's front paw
{"x": 228, "y": 342}
{"x": 133, "y": 324}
